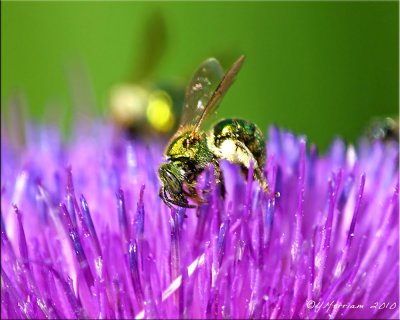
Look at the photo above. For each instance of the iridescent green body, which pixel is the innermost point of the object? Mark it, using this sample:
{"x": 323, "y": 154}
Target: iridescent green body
{"x": 235, "y": 140}
{"x": 245, "y": 134}
{"x": 185, "y": 147}
{"x": 191, "y": 150}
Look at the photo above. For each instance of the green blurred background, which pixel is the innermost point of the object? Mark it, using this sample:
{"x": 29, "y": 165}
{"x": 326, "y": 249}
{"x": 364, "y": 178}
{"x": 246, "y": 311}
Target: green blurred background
{"x": 318, "y": 68}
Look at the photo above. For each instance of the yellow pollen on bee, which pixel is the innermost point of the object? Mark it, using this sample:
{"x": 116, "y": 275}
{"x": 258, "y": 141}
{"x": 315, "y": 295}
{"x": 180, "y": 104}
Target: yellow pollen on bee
{"x": 228, "y": 147}
{"x": 229, "y": 150}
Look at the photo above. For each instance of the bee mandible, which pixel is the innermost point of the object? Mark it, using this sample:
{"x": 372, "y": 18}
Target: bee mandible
{"x": 192, "y": 150}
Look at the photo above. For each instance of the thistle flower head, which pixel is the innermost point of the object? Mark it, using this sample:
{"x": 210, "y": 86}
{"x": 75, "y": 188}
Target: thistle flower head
{"x": 84, "y": 233}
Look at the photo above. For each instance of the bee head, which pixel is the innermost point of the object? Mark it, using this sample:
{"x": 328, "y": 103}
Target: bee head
{"x": 172, "y": 185}
{"x": 171, "y": 178}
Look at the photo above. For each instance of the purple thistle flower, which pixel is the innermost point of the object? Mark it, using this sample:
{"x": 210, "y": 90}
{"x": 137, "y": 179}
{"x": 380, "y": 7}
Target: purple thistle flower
{"x": 85, "y": 235}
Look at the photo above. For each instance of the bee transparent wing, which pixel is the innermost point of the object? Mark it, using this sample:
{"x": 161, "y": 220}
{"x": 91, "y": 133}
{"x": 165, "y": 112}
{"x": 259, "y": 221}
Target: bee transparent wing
{"x": 219, "y": 92}
{"x": 200, "y": 90}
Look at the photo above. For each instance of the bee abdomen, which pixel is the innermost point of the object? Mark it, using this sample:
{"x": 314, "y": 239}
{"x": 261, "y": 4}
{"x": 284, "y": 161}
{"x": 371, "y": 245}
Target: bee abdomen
{"x": 233, "y": 139}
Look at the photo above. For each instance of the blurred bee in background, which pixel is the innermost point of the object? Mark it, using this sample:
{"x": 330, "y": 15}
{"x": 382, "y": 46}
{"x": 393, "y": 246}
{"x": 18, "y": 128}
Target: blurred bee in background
{"x": 191, "y": 150}
{"x": 384, "y": 129}
{"x": 142, "y": 107}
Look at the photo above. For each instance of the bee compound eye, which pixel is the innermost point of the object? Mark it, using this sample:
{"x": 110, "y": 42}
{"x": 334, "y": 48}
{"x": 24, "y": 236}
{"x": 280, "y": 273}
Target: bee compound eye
{"x": 173, "y": 183}
{"x": 170, "y": 176}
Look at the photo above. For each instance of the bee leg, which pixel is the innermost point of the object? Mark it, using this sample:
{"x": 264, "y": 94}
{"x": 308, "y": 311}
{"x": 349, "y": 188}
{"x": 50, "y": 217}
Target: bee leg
{"x": 259, "y": 176}
{"x": 245, "y": 171}
{"x": 183, "y": 203}
{"x": 219, "y": 177}
{"x": 192, "y": 193}
{"x": 246, "y": 156}
{"x": 163, "y": 195}
{"x": 177, "y": 200}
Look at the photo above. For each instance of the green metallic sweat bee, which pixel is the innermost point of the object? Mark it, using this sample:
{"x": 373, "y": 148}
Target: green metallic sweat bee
{"x": 384, "y": 129}
{"x": 191, "y": 150}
